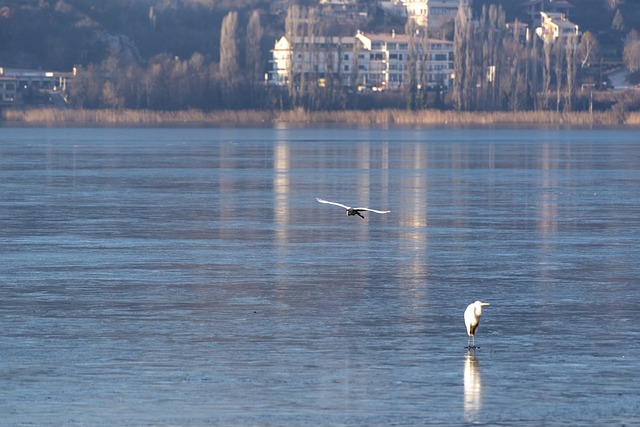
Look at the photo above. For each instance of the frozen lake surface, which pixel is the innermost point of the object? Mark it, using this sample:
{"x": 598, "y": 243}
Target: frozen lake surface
{"x": 188, "y": 277}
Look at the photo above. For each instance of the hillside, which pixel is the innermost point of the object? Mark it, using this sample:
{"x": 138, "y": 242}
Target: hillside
{"x": 595, "y": 16}
{"x": 58, "y": 34}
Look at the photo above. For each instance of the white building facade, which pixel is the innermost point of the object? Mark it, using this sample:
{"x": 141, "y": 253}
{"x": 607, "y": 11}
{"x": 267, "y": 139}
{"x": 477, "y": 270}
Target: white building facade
{"x": 313, "y": 57}
{"x": 431, "y": 13}
{"x": 365, "y": 61}
{"x": 385, "y": 61}
{"x": 554, "y": 26}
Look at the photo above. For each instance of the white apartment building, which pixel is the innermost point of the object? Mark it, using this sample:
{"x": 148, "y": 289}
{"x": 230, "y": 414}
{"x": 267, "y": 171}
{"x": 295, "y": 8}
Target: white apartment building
{"x": 314, "y": 57}
{"x": 384, "y": 60}
{"x": 369, "y": 61}
{"x": 554, "y": 26}
{"x": 431, "y": 13}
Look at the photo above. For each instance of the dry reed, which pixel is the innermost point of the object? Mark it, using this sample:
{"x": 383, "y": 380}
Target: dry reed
{"x": 386, "y": 117}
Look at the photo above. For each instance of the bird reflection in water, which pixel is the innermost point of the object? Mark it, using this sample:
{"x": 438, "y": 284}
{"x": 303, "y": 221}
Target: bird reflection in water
{"x": 472, "y": 388}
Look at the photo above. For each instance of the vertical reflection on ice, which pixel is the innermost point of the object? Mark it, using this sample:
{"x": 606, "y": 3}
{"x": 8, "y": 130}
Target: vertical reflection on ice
{"x": 413, "y": 218}
{"x": 472, "y": 388}
{"x": 281, "y": 189}
{"x": 363, "y": 166}
{"x": 548, "y": 205}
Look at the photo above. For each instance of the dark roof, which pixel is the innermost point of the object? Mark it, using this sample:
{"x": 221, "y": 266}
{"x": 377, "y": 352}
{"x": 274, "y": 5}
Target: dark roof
{"x": 555, "y": 3}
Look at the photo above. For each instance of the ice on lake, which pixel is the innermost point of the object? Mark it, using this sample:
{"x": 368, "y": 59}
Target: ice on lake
{"x": 163, "y": 277}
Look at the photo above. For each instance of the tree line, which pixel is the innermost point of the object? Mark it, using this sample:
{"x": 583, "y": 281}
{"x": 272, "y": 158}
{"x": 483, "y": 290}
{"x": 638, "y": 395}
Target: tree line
{"x": 168, "y": 82}
{"x": 497, "y": 68}
{"x": 501, "y": 69}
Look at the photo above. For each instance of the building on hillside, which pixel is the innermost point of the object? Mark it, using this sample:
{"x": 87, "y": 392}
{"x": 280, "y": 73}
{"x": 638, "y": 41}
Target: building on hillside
{"x": 339, "y": 6}
{"x": 431, "y": 14}
{"x": 385, "y": 60}
{"x": 8, "y": 90}
{"x": 393, "y": 8}
{"x": 343, "y": 15}
{"x": 554, "y": 26}
{"x": 312, "y": 57}
{"x": 20, "y": 86}
{"x": 365, "y": 61}
{"x": 534, "y": 7}
{"x": 519, "y": 30}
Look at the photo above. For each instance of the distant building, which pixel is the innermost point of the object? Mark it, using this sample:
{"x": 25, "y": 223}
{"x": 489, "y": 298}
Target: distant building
{"x": 520, "y": 30}
{"x": 20, "y": 86}
{"x": 534, "y": 7}
{"x": 339, "y": 6}
{"x": 8, "y": 90}
{"x": 554, "y": 26}
{"x": 345, "y": 15}
{"x": 314, "y": 57}
{"x": 367, "y": 61}
{"x": 393, "y": 8}
{"x": 390, "y": 56}
{"x": 431, "y": 13}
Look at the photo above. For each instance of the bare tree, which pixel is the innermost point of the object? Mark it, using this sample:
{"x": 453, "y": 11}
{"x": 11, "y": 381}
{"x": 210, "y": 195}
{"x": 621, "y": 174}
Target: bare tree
{"x": 534, "y": 68}
{"x": 294, "y": 34}
{"x": 492, "y": 24}
{"x": 558, "y": 49}
{"x": 613, "y": 4}
{"x": 588, "y": 49}
{"x": 462, "y": 56}
{"x": 546, "y": 73}
{"x": 571, "y": 53}
{"x": 618, "y": 21}
{"x": 254, "y": 60}
{"x": 110, "y": 97}
{"x": 411, "y": 84}
{"x": 229, "y": 50}
{"x": 631, "y": 54}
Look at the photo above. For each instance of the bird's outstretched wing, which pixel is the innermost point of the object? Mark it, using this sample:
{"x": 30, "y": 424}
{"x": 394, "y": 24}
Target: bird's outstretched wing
{"x": 333, "y": 203}
{"x": 371, "y": 210}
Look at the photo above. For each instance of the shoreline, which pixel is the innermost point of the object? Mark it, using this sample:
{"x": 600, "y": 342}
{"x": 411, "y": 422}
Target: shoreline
{"x": 386, "y": 117}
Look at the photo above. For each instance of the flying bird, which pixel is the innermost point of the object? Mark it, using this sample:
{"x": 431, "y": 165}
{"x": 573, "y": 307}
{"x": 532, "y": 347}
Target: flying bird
{"x": 352, "y": 211}
{"x": 472, "y": 320}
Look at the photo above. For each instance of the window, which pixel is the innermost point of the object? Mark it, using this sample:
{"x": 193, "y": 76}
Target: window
{"x": 393, "y": 56}
{"x": 346, "y": 68}
{"x": 346, "y": 57}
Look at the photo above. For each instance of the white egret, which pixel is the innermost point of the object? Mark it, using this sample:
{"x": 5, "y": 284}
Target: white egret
{"x": 352, "y": 211}
{"x": 472, "y": 320}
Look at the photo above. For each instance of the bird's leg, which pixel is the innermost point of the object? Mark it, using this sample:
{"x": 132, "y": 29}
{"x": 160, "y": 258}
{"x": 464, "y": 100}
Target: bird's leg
{"x": 359, "y": 214}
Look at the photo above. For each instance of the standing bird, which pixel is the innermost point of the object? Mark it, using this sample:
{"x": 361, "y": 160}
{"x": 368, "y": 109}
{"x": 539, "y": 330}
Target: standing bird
{"x": 472, "y": 320}
{"x": 352, "y": 211}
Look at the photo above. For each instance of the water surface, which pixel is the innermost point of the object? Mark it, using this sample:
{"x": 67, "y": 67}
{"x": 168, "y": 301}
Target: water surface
{"x": 188, "y": 277}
